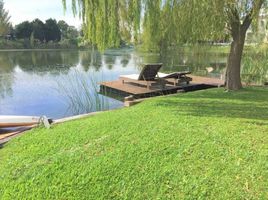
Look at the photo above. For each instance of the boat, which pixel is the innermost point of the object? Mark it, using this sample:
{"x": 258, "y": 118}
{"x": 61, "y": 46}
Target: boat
{"x": 7, "y": 121}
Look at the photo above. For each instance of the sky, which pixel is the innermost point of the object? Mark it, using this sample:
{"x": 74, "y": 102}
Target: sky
{"x": 20, "y": 11}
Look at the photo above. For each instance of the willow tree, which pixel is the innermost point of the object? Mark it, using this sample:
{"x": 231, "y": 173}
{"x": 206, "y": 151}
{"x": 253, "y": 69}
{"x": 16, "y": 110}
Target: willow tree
{"x": 239, "y": 16}
{"x": 4, "y": 19}
{"x": 167, "y": 22}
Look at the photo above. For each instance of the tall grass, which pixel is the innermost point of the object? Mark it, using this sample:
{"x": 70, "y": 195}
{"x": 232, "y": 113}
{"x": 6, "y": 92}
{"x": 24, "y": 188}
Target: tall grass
{"x": 255, "y": 65}
{"x": 80, "y": 92}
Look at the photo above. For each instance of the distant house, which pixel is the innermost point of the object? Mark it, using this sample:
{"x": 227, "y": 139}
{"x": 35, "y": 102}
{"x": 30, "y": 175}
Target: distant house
{"x": 9, "y": 37}
{"x": 261, "y": 32}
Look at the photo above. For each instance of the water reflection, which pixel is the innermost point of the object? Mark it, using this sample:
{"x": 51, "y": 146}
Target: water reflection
{"x": 86, "y": 60}
{"x": 109, "y": 61}
{"x": 125, "y": 60}
{"x": 46, "y": 61}
{"x": 7, "y": 66}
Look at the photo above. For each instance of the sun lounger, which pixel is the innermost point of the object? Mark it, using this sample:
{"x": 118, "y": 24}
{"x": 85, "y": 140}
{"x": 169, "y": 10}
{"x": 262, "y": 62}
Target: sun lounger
{"x": 176, "y": 77}
{"x": 150, "y": 74}
{"x": 147, "y": 75}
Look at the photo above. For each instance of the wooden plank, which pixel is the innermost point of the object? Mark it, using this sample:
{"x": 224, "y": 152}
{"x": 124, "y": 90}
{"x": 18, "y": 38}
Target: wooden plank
{"x": 130, "y": 101}
{"x": 7, "y": 134}
{"x": 137, "y": 90}
{"x": 140, "y": 89}
{"x": 207, "y": 80}
{"x": 4, "y": 125}
{"x": 135, "y": 87}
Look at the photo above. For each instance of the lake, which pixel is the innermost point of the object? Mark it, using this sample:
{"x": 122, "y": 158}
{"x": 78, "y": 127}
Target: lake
{"x": 61, "y": 83}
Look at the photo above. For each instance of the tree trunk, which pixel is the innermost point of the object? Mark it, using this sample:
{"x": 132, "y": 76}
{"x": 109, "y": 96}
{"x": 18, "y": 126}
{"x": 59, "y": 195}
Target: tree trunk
{"x": 233, "y": 79}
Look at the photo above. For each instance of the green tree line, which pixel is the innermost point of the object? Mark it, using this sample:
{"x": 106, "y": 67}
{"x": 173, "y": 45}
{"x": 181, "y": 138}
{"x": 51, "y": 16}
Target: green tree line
{"x": 38, "y": 31}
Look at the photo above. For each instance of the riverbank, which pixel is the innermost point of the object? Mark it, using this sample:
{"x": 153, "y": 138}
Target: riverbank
{"x": 205, "y": 144}
{"x": 26, "y": 44}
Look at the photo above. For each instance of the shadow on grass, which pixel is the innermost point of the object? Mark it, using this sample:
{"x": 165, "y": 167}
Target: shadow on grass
{"x": 245, "y": 104}
{"x": 259, "y": 123}
{"x": 250, "y": 95}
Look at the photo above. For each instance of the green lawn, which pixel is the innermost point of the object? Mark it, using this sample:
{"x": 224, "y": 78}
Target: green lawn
{"x": 202, "y": 145}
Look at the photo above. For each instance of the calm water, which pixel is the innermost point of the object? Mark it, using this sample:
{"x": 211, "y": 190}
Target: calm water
{"x": 65, "y": 83}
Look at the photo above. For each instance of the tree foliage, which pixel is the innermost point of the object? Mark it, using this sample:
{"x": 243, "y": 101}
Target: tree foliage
{"x": 4, "y": 19}
{"x": 163, "y": 22}
{"x": 67, "y": 32}
{"x": 52, "y": 31}
{"x": 63, "y": 26}
{"x": 38, "y": 30}
{"x": 107, "y": 22}
{"x": 24, "y": 30}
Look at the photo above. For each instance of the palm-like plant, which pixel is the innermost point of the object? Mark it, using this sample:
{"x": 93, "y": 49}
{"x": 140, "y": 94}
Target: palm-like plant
{"x": 4, "y": 19}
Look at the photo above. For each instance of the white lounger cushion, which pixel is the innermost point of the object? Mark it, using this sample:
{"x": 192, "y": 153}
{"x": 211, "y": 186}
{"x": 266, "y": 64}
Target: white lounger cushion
{"x": 159, "y": 75}
{"x": 162, "y": 75}
{"x": 136, "y": 76}
{"x": 131, "y": 76}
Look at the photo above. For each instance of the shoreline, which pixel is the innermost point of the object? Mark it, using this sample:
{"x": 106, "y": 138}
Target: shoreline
{"x": 65, "y": 49}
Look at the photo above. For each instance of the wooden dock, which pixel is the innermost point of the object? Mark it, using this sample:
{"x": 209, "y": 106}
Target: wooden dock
{"x": 141, "y": 90}
{"x": 7, "y": 134}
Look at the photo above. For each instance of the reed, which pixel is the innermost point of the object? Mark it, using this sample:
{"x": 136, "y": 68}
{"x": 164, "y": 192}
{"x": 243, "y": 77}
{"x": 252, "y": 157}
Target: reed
{"x": 255, "y": 66}
{"x": 80, "y": 91}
